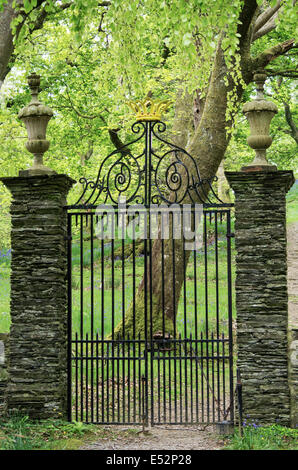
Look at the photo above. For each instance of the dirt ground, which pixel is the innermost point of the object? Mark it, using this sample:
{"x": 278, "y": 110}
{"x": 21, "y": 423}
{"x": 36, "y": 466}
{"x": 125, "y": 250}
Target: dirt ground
{"x": 161, "y": 438}
{"x": 196, "y": 438}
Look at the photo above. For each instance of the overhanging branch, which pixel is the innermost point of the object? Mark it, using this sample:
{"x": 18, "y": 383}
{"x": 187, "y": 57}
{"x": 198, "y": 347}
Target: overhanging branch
{"x": 272, "y": 53}
{"x": 266, "y": 16}
{"x": 265, "y": 30}
{"x": 289, "y": 73}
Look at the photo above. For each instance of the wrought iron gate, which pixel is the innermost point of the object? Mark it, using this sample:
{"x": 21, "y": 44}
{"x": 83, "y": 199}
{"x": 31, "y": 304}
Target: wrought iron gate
{"x": 150, "y": 316}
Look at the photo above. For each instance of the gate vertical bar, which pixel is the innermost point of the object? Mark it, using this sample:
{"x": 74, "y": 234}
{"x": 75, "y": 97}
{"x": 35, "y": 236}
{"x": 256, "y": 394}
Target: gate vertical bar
{"x": 145, "y": 398}
{"x": 149, "y": 169}
{"x": 206, "y": 313}
{"x": 81, "y": 315}
{"x": 92, "y": 313}
{"x": 69, "y": 319}
{"x": 230, "y": 308}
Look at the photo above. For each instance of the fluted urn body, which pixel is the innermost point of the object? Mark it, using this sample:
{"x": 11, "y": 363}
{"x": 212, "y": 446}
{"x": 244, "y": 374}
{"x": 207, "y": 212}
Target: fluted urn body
{"x": 36, "y": 117}
{"x": 259, "y": 113}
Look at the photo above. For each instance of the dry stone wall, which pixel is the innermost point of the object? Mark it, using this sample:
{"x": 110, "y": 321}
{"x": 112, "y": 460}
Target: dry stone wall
{"x": 38, "y": 336}
{"x": 261, "y": 292}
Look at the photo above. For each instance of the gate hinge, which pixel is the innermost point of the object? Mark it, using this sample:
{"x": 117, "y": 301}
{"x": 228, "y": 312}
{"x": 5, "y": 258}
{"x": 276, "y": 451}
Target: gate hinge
{"x": 230, "y": 235}
{"x": 68, "y": 237}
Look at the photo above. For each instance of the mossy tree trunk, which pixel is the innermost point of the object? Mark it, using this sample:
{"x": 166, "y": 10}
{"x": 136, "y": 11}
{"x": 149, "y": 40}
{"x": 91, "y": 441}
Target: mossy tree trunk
{"x": 206, "y": 138}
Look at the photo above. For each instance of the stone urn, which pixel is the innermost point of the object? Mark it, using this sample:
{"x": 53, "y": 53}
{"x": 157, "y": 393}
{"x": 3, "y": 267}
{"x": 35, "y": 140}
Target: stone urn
{"x": 259, "y": 114}
{"x": 36, "y": 117}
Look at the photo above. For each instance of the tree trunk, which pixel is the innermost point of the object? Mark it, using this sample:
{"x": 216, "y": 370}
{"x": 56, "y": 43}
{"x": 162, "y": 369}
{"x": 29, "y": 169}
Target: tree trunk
{"x": 6, "y": 39}
{"x": 207, "y": 146}
{"x": 223, "y": 189}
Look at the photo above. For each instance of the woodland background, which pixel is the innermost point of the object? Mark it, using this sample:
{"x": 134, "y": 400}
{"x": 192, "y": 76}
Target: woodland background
{"x": 94, "y": 56}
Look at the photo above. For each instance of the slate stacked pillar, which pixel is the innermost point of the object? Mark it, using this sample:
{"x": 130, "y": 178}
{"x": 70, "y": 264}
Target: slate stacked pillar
{"x": 37, "y": 365}
{"x": 261, "y": 292}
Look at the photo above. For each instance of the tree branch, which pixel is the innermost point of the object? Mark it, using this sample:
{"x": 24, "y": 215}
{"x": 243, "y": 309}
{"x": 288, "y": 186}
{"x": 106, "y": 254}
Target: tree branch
{"x": 266, "y": 16}
{"x": 84, "y": 116}
{"x": 113, "y": 133}
{"x": 272, "y": 53}
{"x": 290, "y": 122}
{"x": 39, "y": 22}
{"x": 248, "y": 12}
{"x": 265, "y": 30}
{"x": 290, "y": 73}
{"x": 86, "y": 156}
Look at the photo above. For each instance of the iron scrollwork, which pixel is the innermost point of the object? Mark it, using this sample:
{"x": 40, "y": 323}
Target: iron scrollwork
{"x": 148, "y": 170}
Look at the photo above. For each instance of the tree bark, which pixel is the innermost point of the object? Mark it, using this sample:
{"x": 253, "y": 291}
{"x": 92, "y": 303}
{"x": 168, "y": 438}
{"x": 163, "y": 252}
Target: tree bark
{"x": 207, "y": 146}
{"x": 293, "y": 132}
{"x": 6, "y": 39}
{"x": 223, "y": 189}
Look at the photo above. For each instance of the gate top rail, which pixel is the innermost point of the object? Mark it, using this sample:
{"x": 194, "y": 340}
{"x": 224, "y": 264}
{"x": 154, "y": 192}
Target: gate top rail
{"x": 148, "y": 170}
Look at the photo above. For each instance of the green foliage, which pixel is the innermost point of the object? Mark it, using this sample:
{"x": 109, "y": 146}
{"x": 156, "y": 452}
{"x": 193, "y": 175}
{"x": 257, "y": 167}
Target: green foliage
{"x": 283, "y": 151}
{"x": 189, "y": 30}
{"x": 93, "y": 58}
{"x": 256, "y": 437}
{"x": 20, "y": 433}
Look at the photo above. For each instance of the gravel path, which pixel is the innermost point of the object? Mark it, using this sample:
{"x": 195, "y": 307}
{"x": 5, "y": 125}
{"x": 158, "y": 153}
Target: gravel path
{"x": 160, "y": 438}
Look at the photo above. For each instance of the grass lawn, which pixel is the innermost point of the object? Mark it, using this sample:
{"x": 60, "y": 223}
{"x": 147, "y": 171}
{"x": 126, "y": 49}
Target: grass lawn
{"x": 4, "y": 291}
{"x": 292, "y": 204}
{"x": 217, "y": 300}
{"x": 102, "y": 302}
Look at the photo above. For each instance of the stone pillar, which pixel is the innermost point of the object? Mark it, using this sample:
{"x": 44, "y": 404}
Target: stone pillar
{"x": 37, "y": 367}
{"x": 261, "y": 292}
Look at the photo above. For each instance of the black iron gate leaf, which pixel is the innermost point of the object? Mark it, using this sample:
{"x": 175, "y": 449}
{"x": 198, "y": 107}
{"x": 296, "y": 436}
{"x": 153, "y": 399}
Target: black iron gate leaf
{"x": 130, "y": 368}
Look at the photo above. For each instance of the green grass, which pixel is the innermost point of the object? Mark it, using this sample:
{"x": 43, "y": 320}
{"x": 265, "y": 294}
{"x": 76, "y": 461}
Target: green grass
{"x": 292, "y": 205}
{"x": 20, "y": 433}
{"x": 102, "y": 301}
{"x": 187, "y": 316}
{"x": 4, "y": 294}
{"x": 256, "y": 437}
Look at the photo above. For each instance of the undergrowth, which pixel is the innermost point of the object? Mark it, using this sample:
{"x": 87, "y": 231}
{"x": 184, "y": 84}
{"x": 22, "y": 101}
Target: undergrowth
{"x": 255, "y": 437}
{"x": 18, "y": 432}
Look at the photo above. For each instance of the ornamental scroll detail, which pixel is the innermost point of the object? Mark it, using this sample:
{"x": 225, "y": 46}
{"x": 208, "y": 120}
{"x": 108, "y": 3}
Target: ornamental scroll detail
{"x": 148, "y": 170}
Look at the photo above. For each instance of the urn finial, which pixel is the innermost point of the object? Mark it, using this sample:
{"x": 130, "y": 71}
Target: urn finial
{"x": 259, "y": 114}
{"x": 36, "y": 117}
